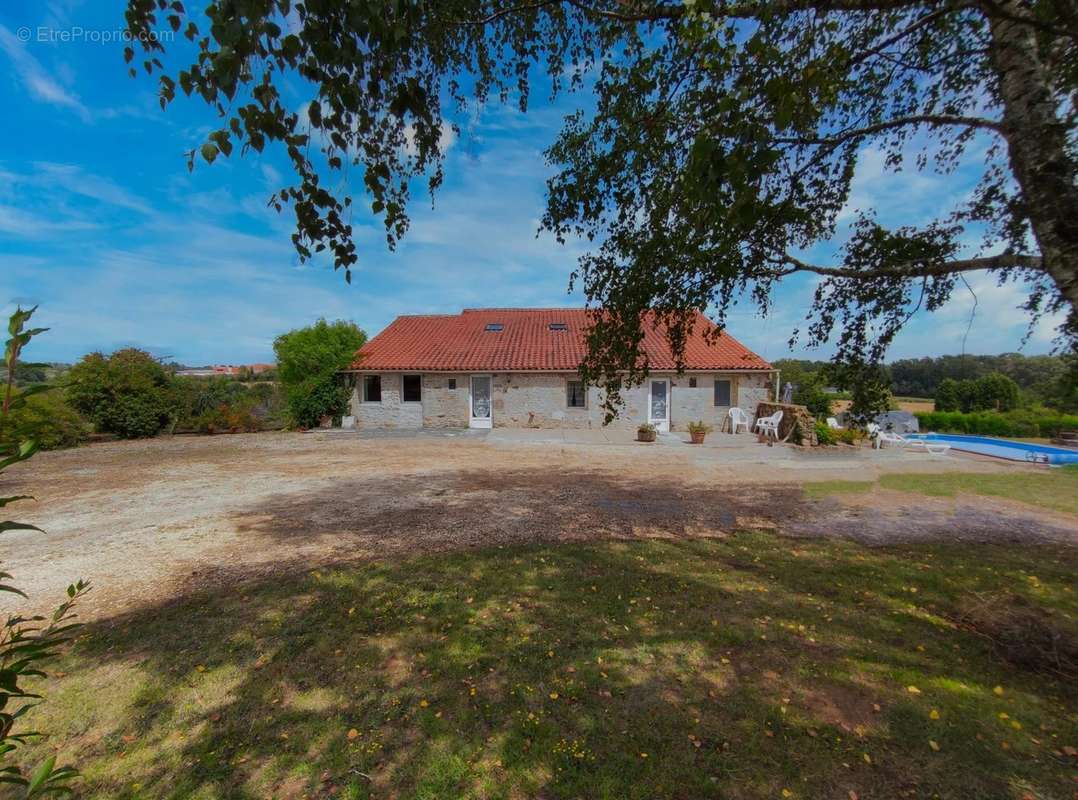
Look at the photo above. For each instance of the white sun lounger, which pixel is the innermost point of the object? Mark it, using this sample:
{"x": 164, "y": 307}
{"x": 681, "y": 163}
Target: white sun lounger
{"x": 882, "y": 437}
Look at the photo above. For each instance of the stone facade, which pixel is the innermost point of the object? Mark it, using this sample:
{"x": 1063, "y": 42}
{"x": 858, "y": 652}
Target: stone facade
{"x": 539, "y": 400}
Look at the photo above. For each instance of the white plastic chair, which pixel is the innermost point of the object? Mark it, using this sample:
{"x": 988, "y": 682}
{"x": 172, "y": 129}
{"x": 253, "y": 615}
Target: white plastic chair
{"x": 738, "y": 419}
{"x": 769, "y": 426}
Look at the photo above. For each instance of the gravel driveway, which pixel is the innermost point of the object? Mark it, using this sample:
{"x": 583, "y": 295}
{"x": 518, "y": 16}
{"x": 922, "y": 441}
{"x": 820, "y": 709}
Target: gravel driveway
{"x": 147, "y": 520}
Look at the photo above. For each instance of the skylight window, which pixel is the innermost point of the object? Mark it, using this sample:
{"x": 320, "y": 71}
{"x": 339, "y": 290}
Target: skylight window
{"x": 495, "y": 327}
{"x": 558, "y": 326}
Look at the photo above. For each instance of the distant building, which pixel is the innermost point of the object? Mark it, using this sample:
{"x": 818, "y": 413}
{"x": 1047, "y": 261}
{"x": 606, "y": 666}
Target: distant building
{"x": 225, "y": 369}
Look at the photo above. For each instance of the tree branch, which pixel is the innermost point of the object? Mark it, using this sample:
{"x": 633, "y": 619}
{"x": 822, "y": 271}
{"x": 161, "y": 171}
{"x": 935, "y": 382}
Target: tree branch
{"x": 912, "y": 269}
{"x": 744, "y": 9}
{"x": 934, "y": 120}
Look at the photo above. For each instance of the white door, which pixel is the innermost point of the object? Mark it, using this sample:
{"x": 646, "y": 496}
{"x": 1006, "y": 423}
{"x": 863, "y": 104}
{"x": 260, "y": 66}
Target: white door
{"x": 659, "y": 405}
{"x": 479, "y": 402}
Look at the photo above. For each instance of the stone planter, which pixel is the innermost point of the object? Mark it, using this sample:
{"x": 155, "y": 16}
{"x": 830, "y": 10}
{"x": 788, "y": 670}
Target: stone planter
{"x": 645, "y": 436}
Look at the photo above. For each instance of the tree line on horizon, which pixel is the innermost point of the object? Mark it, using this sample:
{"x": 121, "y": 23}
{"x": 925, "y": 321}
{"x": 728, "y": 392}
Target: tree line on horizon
{"x": 1048, "y": 380}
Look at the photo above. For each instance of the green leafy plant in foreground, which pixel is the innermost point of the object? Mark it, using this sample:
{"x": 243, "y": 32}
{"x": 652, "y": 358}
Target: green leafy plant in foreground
{"x": 27, "y": 642}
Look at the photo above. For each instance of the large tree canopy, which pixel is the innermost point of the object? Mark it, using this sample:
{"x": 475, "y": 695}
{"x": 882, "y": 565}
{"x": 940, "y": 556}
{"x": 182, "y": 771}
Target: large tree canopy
{"x": 723, "y": 142}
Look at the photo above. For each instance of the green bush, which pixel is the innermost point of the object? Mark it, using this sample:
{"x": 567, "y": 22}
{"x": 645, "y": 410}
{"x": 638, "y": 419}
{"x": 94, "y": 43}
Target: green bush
{"x": 133, "y": 416}
{"x": 824, "y": 434}
{"x": 811, "y": 395}
{"x": 214, "y": 405}
{"x": 309, "y": 361}
{"x": 849, "y": 435}
{"x": 127, "y": 393}
{"x": 27, "y": 641}
{"x": 47, "y": 419}
{"x": 827, "y": 435}
{"x": 1019, "y": 423}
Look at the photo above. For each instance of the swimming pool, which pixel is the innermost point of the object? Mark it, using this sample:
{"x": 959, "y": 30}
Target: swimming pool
{"x": 1002, "y": 448}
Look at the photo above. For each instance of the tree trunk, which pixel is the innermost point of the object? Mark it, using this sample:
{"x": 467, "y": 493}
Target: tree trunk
{"x": 1036, "y": 142}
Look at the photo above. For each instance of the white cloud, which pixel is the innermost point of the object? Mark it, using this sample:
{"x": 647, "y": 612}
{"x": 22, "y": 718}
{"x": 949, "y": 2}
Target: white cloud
{"x": 24, "y": 224}
{"x": 38, "y": 82}
{"x": 79, "y": 181}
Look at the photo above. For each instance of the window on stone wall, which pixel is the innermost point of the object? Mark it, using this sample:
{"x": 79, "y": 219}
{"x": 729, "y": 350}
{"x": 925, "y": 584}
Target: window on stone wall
{"x": 452, "y": 384}
{"x": 411, "y": 388}
{"x": 722, "y": 393}
{"x": 575, "y": 396}
{"x": 692, "y": 383}
{"x": 372, "y": 388}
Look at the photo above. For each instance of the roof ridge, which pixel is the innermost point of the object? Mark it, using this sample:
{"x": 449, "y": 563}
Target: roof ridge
{"x": 522, "y": 309}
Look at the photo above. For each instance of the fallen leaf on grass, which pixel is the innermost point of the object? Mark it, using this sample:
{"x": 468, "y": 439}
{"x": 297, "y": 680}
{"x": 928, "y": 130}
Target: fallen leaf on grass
{"x": 352, "y": 734}
{"x": 934, "y": 745}
{"x": 913, "y": 690}
{"x": 933, "y": 714}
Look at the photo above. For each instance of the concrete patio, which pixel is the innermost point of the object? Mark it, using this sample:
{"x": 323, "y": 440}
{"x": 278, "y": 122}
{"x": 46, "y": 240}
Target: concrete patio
{"x": 720, "y": 448}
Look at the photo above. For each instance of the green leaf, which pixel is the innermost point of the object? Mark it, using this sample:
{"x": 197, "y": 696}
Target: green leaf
{"x": 41, "y": 774}
{"x": 209, "y": 152}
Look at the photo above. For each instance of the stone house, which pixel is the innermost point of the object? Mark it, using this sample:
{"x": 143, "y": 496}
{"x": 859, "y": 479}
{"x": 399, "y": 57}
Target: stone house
{"x": 516, "y": 367}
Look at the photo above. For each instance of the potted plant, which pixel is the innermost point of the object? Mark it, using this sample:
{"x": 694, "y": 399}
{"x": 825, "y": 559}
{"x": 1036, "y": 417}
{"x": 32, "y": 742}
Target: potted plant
{"x": 645, "y": 433}
{"x": 698, "y": 430}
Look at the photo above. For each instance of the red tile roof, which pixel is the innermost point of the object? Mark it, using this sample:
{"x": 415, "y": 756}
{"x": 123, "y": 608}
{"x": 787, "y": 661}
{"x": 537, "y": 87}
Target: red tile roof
{"x": 460, "y": 342}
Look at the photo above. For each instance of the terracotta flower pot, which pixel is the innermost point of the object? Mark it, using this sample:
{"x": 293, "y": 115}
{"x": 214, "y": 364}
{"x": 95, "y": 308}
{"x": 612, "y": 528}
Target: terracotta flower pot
{"x": 697, "y": 437}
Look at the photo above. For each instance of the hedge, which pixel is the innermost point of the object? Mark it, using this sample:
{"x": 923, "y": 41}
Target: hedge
{"x": 1023, "y": 423}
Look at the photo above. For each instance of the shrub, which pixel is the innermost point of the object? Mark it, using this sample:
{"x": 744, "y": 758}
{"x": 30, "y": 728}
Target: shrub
{"x": 308, "y": 362}
{"x": 26, "y": 642}
{"x": 1022, "y": 423}
{"x": 810, "y": 394}
{"x": 699, "y": 427}
{"x": 849, "y": 435}
{"x": 228, "y": 419}
{"x": 47, "y": 419}
{"x": 133, "y": 416}
{"x": 824, "y": 433}
{"x": 212, "y": 405}
{"x": 127, "y": 393}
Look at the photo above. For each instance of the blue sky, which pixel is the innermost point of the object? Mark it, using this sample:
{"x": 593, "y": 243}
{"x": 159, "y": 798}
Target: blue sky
{"x": 102, "y": 225}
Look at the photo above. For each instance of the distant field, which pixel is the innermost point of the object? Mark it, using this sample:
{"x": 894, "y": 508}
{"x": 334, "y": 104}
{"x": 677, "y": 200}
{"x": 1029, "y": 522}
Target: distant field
{"x": 912, "y": 404}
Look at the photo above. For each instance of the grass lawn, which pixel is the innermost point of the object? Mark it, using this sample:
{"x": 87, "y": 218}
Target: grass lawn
{"x": 752, "y": 666}
{"x": 1055, "y": 489}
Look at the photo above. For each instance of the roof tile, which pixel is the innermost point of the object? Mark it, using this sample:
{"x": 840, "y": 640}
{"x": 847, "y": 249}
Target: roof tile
{"x": 460, "y": 342}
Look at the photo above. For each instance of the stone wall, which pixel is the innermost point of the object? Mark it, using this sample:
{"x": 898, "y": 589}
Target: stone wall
{"x": 391, "y": 412}
{"x": 444, "y": 407}
{"x": 539, "y": 400}
{"x": 790, "y": 412}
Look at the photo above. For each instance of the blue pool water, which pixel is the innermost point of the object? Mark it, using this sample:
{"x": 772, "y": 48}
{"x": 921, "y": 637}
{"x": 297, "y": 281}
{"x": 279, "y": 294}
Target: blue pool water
{"x": 1002, "y": 448}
